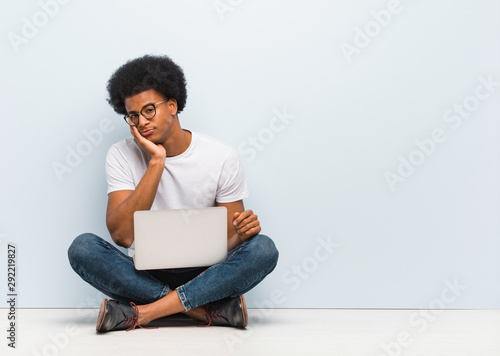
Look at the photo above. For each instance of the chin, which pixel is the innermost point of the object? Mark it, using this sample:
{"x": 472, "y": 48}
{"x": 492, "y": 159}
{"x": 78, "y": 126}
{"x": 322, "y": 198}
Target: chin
{"x": 152, "y": 139}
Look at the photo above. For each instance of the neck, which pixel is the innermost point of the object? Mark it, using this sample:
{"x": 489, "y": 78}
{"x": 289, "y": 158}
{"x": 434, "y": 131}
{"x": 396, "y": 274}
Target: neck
{"x": 178, "y": 141}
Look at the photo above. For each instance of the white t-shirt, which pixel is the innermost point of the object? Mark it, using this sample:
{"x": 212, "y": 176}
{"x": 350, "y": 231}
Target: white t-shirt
{"x": 208, "y": 172}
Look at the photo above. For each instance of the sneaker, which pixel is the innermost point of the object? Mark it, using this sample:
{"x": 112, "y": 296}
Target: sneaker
{"x": 228, "y": 312}
{"x": 116, "y": 316}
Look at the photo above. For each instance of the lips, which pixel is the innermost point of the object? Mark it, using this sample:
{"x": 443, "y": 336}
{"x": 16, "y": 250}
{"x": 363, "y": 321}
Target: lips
{"x": 146, "y": 132}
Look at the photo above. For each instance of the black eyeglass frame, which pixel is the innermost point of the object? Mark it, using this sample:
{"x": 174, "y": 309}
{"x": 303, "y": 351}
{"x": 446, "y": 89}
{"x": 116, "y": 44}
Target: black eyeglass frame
{"x": 129, "y": 121}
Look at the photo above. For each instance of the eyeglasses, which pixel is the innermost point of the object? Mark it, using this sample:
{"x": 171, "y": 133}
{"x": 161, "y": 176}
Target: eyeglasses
{"x": 148, "y": 112}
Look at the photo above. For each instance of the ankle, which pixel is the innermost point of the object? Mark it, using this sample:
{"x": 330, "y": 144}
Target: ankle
{"x": 198, "y": 314}
{"x": 142, "y": 317}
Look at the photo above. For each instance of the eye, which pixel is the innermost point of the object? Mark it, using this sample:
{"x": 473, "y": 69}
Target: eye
{"x": 150, "y": 110}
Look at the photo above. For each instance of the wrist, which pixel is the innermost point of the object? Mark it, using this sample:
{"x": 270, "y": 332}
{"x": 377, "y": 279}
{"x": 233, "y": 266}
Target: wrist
{"x": 158, "y": 161}
{"x": 233, "y": 242}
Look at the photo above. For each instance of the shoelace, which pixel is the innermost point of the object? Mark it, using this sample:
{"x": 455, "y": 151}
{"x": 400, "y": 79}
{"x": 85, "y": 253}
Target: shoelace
{"x": 133, "y": 320}
{"x": 215, "y": 315}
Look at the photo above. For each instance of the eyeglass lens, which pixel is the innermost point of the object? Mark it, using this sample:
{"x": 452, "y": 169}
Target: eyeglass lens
{"x": 149, "y": 111}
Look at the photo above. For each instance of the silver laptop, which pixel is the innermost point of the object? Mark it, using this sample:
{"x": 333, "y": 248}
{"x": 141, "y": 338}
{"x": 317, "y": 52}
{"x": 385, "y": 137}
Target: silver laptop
{"x": 180, "y": 238}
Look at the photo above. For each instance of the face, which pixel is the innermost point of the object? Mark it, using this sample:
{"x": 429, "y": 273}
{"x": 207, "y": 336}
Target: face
{"x": 159, "y": 128}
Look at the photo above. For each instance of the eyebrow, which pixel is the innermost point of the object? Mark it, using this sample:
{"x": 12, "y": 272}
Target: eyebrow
{"x": 135, "y": 112}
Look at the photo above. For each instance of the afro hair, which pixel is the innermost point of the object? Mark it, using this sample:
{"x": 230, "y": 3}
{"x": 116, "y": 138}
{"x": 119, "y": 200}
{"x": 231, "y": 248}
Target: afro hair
{"x": 144, "y": 73}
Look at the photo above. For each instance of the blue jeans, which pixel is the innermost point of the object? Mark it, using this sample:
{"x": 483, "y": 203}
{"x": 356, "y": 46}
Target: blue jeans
{"x": 107, "y": 269}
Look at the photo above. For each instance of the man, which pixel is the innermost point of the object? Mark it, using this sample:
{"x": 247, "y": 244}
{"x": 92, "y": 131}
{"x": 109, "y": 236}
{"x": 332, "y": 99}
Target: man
{"x": 163, "y": 166}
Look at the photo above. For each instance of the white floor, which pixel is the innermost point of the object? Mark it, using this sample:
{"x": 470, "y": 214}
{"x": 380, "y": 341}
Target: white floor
{"x": 270, "y": 332}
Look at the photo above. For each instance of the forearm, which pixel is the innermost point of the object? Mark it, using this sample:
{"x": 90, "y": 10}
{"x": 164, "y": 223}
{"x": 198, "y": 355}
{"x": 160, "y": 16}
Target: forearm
{"x": 120, "y": 221}
{"x": 233, "y": 242}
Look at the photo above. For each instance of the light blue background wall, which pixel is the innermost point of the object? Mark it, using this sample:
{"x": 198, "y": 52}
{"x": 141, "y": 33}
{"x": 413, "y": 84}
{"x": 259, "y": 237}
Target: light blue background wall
{"x": 356, "y": 97}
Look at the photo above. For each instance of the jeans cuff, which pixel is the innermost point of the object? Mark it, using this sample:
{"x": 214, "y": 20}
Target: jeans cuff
{"x": 164, "y": 292}
{"x": 182, "y": 297}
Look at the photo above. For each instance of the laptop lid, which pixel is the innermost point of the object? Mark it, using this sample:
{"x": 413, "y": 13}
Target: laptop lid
{"x": 180, "y": 238}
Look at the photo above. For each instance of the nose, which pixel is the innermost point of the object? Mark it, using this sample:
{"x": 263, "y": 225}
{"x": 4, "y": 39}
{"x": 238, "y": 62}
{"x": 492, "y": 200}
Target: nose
{"x": 142, "y": 122}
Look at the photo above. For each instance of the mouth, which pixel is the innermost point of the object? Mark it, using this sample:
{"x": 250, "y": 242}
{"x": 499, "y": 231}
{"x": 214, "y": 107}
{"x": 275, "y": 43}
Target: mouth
{"x": 147, "y": 132}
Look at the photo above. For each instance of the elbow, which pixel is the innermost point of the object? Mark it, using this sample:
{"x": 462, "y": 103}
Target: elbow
{"x": 121, "y": 238}
{"x": 123, "y": 242}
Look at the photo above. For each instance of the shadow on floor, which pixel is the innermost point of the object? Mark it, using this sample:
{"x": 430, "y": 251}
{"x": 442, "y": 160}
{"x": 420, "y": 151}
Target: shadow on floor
{"x": 173, "y": 320}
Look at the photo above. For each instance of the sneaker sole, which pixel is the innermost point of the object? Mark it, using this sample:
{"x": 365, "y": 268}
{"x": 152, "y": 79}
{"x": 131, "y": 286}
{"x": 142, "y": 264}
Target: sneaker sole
{"x": 102, "y": 314}
{"x": 244, "y": 310}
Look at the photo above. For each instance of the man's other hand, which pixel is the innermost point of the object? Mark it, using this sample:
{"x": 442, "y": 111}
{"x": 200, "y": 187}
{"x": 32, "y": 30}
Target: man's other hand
{"x": 246, "y": 224}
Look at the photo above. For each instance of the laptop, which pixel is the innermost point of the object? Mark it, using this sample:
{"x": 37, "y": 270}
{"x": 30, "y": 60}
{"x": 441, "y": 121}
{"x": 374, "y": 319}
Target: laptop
{"x": 180, "y": 238}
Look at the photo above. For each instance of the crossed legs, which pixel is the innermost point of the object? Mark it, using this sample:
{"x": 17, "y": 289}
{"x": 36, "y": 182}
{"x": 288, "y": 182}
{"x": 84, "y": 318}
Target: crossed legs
{"x": 113, "y": 273}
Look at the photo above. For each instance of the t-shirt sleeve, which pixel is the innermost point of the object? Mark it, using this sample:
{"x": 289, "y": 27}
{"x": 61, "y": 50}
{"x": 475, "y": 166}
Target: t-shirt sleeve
{"x": 118, "y": 174}
{"x": 232, "y": 184}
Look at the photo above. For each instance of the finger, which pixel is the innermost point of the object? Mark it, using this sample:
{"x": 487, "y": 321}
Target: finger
{"x": 235, "y": 216}
{"x": 249, "y": 227}
{"x": 141, "y": 141}
{"x": 254, "y": 231}
{"x": 244, "y": 230}
{"x": 250, "y": 233}
{"x": 242, "y": 216}
{"x": 247, "y": 220}
{"x": 237, "y": 219}
{"x": 135, "y": 132}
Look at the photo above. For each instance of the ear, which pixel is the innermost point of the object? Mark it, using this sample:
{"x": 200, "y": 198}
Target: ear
{"x": 172, "y": 106}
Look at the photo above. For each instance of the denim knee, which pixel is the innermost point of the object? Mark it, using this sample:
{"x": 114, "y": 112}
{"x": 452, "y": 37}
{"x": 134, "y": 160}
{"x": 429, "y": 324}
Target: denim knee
{"x": 81, "y": 247}
{"x": 266, "y": 252}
